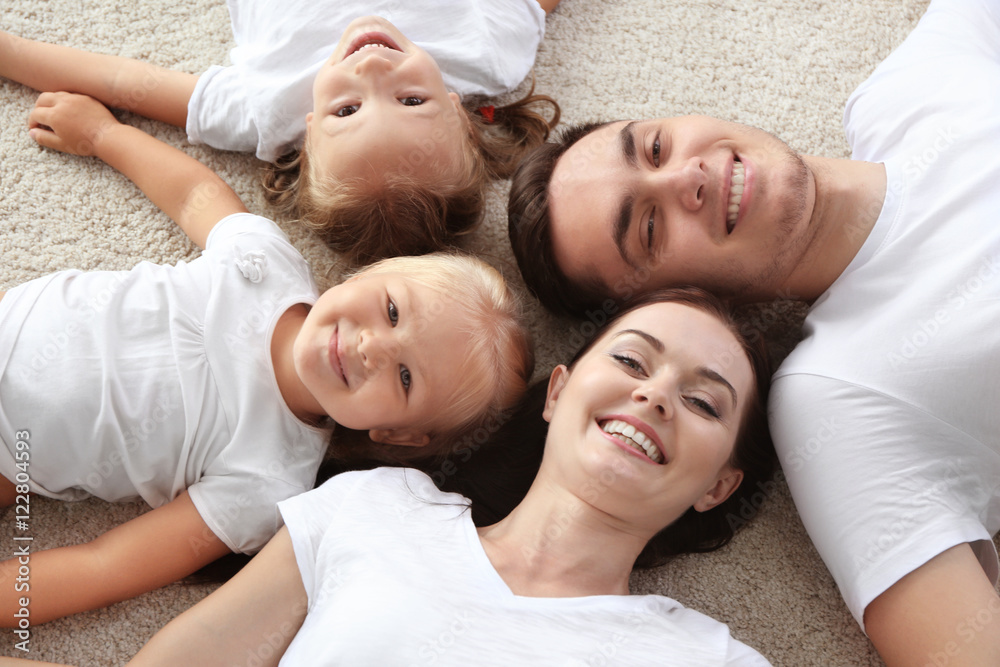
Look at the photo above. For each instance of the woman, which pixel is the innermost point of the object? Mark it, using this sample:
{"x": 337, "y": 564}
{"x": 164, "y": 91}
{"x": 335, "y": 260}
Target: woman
{"x": 651, "y": 430}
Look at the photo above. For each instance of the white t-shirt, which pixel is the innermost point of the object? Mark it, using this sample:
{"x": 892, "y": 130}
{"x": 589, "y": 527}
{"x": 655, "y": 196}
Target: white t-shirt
{"x": 143, "y": 383}
{"x": 259, "y": 103}
{"x": 395, "y": 574}
{"x": 885, "y": 416}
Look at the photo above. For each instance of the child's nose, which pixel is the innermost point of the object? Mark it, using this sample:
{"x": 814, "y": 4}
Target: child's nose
{"x": 376, "y": 351}
{"x": 373, "y": 65}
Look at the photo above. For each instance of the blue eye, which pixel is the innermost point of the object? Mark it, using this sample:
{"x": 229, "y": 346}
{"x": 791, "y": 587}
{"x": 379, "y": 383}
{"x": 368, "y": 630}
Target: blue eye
{"x": 650, "y": 225}
{"x": 348, "y": 110}
{"x": 412, "y": 101}
{"x": 393, "y": 313}
{"x": 404, "y": 377}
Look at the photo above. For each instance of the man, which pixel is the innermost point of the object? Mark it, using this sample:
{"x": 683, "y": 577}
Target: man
{"x": 885, "y": 415}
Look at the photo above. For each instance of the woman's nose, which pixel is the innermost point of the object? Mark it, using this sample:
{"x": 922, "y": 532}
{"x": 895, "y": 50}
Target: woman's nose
{"x": 655, "y": 395}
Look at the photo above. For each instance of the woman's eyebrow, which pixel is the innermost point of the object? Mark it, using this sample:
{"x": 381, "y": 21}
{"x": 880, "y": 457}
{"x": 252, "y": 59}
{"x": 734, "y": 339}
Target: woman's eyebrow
{"x": 709, "y": 374}
{"x": 652, "y": 340}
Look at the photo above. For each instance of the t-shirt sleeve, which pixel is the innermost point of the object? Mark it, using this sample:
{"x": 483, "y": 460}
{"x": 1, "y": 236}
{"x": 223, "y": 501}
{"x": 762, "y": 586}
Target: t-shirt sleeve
{"x": 239, "y": 224}
{"x": 242, "y": 513}
{"x": 220, "y": 113}
{"x": 911, "y": 477}
{"x": 308, "y": 516}
{"x": 516, "y": 28}
{"x": 939, "y": 63}
{"x": 484, "y": 47}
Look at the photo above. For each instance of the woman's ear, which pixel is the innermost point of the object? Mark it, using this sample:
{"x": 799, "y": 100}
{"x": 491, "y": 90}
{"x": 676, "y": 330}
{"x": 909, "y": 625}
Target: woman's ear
{"x": 400, "y": 437}
{"x": 556, "y": 383}
{"x": 728, "y": 481}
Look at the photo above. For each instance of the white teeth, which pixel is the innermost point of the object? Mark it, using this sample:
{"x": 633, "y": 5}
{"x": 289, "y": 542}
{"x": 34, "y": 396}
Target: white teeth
{"x": 370, "y": 45}
{"x": 633, "y": 438}
{"x": 735, "y": 194}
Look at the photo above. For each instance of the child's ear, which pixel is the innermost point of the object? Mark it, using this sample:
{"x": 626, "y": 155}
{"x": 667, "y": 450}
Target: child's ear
{"x": 556, "y": 383}
{"x": 728, "y": 481}
{"x": 456, "y": 100}
{"x": 401, "y": 437}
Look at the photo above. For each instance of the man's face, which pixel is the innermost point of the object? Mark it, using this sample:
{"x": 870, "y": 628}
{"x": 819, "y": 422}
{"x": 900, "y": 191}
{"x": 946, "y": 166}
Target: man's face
{"x": 677, "y": 201}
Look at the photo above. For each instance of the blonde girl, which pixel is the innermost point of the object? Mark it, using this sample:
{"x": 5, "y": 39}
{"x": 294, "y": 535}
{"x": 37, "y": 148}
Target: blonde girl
{"x": 369, "y": 141}
{"x": 209, "y": 388}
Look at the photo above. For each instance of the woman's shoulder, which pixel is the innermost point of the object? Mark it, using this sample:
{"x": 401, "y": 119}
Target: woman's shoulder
{"x": 388, "y": 485}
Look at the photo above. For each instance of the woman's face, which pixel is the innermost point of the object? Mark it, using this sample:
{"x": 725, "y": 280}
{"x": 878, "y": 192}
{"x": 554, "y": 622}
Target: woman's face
{"x": 644, "y": 424}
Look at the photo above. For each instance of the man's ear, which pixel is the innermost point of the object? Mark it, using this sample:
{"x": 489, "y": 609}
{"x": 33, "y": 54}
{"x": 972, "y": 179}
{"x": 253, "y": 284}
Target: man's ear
{"x": 728, "y": 481}
{"x": 400, "y": 437}
{"x": 556, "y": 383}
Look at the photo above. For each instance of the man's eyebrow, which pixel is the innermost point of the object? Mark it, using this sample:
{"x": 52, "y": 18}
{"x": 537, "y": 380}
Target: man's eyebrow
{"x": 626, "y": 140}
{"x": 626, "y": 137}
{"x": 621, "y": 225}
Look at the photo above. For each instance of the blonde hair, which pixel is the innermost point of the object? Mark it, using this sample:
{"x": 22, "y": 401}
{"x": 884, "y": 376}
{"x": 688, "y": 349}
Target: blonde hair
{"x": 398, "y": 213}
{"x": 495, "y": 368}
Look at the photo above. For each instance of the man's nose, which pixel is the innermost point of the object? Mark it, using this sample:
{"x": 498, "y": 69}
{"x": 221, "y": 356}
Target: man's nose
{"x": 687, "y": 179}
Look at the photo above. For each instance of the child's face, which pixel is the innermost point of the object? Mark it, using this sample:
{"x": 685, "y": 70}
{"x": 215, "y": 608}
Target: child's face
{"x": 380, "y": 104}
{"x": 381, "y": 353}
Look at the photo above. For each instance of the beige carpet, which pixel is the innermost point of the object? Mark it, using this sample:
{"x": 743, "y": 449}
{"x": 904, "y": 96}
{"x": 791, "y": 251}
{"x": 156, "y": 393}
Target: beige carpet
{"x": 784, "y": 65}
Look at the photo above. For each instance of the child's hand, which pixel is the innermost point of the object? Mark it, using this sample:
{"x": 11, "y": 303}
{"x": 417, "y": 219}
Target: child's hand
{"x": 70, "y": 123}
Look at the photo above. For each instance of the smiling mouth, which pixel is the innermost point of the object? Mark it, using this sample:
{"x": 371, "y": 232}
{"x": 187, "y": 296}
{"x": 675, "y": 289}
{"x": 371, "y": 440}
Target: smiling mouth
{"x": 737, "y": 183}
{"x": 634, "y": 438}
{"x": 335, "y": 360}
{"x": 372, "y": 40}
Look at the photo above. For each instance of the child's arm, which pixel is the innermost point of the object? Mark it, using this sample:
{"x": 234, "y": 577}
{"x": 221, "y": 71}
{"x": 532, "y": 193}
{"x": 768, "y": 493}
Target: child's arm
{"x": 548, "y": 5}
{"x": 264, "y": 604}
{"x": 148, "y": 90}
{"x": 183, "y": 188}
{"x": 150, "y": 551}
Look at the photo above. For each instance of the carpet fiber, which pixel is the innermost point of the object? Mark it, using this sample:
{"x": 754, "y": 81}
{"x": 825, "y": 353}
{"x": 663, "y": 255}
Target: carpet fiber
{"x": 784, "y": 65}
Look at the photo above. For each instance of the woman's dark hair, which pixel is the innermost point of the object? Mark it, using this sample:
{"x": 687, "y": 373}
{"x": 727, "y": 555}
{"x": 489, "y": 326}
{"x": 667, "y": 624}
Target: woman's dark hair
{"x": 522, "y": 439}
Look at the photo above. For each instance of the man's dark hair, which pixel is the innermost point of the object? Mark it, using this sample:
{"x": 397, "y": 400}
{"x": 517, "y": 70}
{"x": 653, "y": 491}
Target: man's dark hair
{"x": 528, "y": 223}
